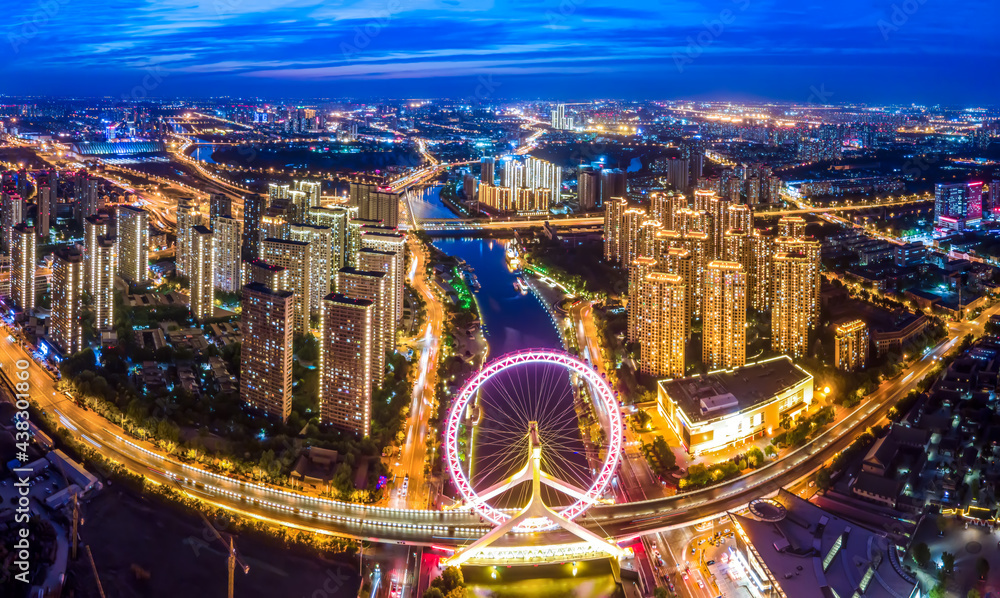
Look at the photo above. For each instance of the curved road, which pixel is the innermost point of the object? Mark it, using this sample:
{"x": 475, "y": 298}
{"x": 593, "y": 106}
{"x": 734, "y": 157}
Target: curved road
{"x": 451, "y": 528}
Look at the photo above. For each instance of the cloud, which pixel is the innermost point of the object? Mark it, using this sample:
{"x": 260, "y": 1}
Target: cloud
{"x": 630, "y": 43}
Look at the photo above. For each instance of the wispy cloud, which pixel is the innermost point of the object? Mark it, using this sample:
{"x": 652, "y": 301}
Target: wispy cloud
{"x": 628, "y": 43}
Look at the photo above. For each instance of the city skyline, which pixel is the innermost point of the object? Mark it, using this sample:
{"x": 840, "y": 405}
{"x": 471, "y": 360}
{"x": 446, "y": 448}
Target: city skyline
{"x": 484, "y": 50}
{"x": 659, "y": 300}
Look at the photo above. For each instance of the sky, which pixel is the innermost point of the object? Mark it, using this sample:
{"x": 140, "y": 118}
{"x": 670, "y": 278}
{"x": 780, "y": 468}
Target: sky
{"x": 830, "y": 51}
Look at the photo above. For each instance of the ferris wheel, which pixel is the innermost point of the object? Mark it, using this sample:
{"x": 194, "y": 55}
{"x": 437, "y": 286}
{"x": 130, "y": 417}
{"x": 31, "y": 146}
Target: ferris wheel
{"x": 515, "y": 428}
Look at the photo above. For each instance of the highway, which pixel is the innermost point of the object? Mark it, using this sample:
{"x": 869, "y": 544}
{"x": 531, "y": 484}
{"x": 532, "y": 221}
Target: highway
{"x": 458, "y": 527}
{"x": 398, "y": 524}
{"x": 513, "y": 223}
{"x": 414, "y": 451}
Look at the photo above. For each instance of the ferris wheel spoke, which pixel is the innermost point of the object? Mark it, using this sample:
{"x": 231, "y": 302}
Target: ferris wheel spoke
{"x": 543, "y": 387}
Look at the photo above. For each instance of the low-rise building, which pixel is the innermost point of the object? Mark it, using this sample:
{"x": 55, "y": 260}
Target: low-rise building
{"x": 789, "y": 547}
{"x": 726, "y": 407}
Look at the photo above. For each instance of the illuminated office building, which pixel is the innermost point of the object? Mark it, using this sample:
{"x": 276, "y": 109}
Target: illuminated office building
{"x": 336, "y": 219}
{"x": 664, "y": 240}
{"x": 65, "y": 328}
{"x": 718, "y": 217}
{"x": 792, "y": 226}
{"x": 703, "y": 199}
{"x": 347, "y": 329}
{"x": 254, "y": 206}
{"x": 740, "y": 217}
{"x": 698, "y": 245}
{"x": 294, "y": 256}
{"x": 267, "y": 322}
{"x": 614, "y": 215}
{"x": 11, "y": 214}
{"x": 391, "y": 243}
{"x": 730, "y": 407}
{"x": 792, "y": 303}
{"x": 614, "y": 184}
{"x": 487, "y": 167}
{"x": 958, "y": 204}
{"x": 188, "y": 217}
{"x": 640, "y": 267}
{"x": 724, "y": 318}
{"x": 679, "y": 261}
{"x": 373, "y": 286}
{"x": 762, "y": 257}
{"x": 320, "y": 240}
{"x": 201, "y": 273}
{"x": 133, "y": 244}
{"x": 588, "y": 189}
{"x": 737, "y": 248}
{"x": 380, "y": 204}
{"x": 663, "y": 335}
{"x": 851, "y": 346}
{"x": 647, "y": 237}
{"x": 23, "y": 263}
{"x": 228, "y": 234}
{"x": 632, "y": 221}
{"x": 687, "y": 221}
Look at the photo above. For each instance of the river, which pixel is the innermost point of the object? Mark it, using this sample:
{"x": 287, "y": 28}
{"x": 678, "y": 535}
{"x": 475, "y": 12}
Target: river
{"x": 514, "y": 322}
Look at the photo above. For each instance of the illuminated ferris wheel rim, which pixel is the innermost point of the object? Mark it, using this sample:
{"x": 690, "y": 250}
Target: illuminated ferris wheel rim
{"x": 604, "y": 394}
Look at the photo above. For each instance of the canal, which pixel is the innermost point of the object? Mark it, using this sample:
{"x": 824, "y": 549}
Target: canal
{"x": 513, "y": 321}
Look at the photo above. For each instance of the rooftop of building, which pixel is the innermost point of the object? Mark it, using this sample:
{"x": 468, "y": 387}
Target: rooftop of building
{"x": 345, "y": 300}
{"x": 724, "y": 392}
{"x": 811, "y": 552}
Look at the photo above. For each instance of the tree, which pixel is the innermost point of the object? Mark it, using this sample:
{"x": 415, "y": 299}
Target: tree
{"x": 948, "y": 562}
{"x": 921, "y": 554}
{"x": 433, "y": 592}
{"x": 982, "y": 568}
{"x": 938, "y": 591}
{"x": 973, "y": 593}
{"x": 770, "y": 451}
{"x": 661, "y": 592}
{"x": 823, "y": 481}
{"x": 450, "y": 584}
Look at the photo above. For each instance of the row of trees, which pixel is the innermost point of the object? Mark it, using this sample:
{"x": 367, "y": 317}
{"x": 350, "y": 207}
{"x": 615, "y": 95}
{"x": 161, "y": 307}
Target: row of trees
{"x": 803, "y": 428}
{"x": 700, "y": 475}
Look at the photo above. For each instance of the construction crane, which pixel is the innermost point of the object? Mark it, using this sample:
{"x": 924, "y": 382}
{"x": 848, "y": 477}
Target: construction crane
{"x": 93, "y": 565}
{"x": 232, "y": 559}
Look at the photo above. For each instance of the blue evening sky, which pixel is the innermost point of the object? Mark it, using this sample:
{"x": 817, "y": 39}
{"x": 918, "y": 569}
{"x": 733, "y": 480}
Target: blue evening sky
{"x": 849, "y": 50}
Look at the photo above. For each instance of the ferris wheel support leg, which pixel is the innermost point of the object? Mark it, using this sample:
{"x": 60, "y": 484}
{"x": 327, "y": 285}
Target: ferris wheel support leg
{"x": 479, "y": 545}
{"x": 586, "y": 535}
{"x": 522, "y": 476}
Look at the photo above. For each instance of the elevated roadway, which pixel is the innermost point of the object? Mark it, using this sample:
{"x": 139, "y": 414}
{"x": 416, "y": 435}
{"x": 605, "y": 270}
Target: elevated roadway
{"x": 460, "y": 527}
